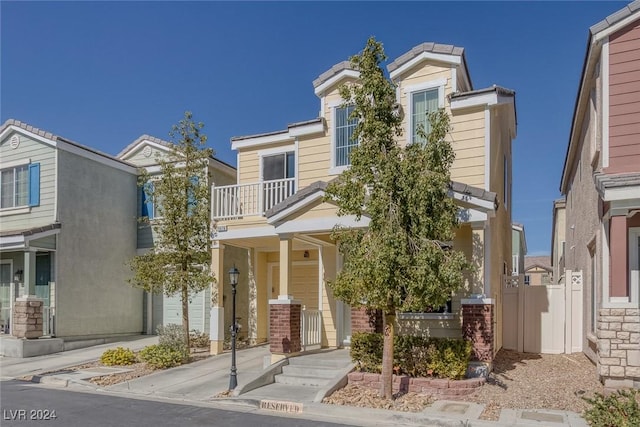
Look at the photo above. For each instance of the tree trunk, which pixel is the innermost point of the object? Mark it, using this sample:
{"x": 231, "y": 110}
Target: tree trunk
{"x": 386, "y": 385}
{"x": 185, "y": 315}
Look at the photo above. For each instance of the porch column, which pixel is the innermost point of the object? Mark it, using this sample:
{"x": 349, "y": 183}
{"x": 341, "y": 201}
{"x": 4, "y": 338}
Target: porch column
{"x": 477, "y": 328}
{"x": 618, "y": 287}
{"x": 29, "y": 273}
{"x": 284, "y": 312}
{"x": 286, "y": 247}
{"x": 478, "y": 259}
{"x": 216, "y": 325}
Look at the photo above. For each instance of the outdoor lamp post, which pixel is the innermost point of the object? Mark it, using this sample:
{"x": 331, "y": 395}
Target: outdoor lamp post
{"x": 233, "y": 279}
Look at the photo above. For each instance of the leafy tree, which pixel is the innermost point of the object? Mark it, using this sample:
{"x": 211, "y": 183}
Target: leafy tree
{"x": 403, "y": 261}
{"x": 179, "y": 262}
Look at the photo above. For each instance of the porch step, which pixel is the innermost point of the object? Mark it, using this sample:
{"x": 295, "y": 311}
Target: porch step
{"x": 308, "y": 371}
{"x": 301, "y": 380}
{"x": 321, "y": 360}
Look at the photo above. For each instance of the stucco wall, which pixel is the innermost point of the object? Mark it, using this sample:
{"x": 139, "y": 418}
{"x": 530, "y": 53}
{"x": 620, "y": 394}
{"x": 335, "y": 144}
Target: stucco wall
{"x": 97, "y": 206}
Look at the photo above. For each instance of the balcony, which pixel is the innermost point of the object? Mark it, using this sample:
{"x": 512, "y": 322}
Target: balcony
{"x": 254, "y": 199}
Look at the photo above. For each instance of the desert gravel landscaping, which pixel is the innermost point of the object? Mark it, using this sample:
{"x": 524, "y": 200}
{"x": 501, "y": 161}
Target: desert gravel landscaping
{"x": 519, "y": 380}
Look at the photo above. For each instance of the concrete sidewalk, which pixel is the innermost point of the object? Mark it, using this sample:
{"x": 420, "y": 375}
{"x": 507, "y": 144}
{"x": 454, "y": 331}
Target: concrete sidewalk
{"x": 200, "y": 382}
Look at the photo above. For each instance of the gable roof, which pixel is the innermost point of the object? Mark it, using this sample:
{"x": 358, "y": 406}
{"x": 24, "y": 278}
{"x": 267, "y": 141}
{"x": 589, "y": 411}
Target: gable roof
{"x": 166, "y": 144}
{"x": 67, "y": 144}
{"x": 543, "y": 261}
{"x": 446, "y": 49}
{"x": 332, "y": 72}
{"x": 594, "y": 46}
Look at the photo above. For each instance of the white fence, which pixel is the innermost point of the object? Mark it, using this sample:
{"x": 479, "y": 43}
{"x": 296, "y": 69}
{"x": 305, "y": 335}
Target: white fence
{"x": 542, "y": 319}
{"x": 310, "y": 329}
{"x": 236, "y": 201}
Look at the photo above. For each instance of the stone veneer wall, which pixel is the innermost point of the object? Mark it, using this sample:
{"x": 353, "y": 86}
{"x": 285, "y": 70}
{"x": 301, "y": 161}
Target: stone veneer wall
{"x": 284, "y": 328}
{"x": 404, "y": 383}
{"x": 27, "y": 317}
{"x": 619, "y": 347}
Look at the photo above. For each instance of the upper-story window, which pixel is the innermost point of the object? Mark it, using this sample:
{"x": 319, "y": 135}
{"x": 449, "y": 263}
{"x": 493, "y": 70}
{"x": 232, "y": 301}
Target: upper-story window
{"x": 20, "y": 186}
{"x": 151, "y": 205}
{"x": 279, "y": 166}
{"x": 344, "y": 129}
{"x": 422, "y": 103}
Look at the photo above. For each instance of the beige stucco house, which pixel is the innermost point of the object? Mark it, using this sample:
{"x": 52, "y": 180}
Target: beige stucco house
{"x": 601, "y": 184}
{"x": 277, "y": 211}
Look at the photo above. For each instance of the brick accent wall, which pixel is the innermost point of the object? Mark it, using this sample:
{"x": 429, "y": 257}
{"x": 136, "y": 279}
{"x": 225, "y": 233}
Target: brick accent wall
{"x": 619, "y": 346}
{"x": 284, "y": 328}
{"x": 365, "y": 320}
{"x": 27, "y": 317}
{"x": 477, "y": 327}
{"x": 404, "y": 383}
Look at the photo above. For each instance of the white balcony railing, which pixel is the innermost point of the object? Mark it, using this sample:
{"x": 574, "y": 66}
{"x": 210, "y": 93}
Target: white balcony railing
{"x": 236, "y": 201}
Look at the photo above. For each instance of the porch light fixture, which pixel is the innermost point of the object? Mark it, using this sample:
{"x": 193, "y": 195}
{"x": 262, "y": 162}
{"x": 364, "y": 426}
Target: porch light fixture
{"x": 17, "y": 277}
{"x": 233, "y": 280}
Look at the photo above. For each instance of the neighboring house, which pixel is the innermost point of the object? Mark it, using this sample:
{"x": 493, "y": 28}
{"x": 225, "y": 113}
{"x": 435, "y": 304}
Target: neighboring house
{"x": 518, "y": 249}
{"x": 537, "y": 271}
{"x": 601, "y": 184}
{"x": 67, "y": 230}
{"x": 558, "y": 243}
{"x": 145, "y": 152}
{"x": 277, "y": 208}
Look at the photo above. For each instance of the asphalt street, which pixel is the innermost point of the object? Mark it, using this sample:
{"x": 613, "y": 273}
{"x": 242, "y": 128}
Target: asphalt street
{"x": 27, "y": 404}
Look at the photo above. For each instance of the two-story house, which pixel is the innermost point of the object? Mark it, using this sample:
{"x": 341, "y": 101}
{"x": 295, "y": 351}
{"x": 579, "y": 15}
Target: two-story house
{"x": 159, "y": 309}
{"x": 601, "y": 184}
{"x": 277, "y": 208}
{"x": 67, "y": 231}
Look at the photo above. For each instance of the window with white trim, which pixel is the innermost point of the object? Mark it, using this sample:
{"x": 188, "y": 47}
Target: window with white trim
{"x": 527, "y": 279}
{"x": 423, "y": 103}
{"x": 151, "y": 202}
{"x": 344, "y": 128}
{"x": 279, "y": 166}
{"x": 20, "y": 186}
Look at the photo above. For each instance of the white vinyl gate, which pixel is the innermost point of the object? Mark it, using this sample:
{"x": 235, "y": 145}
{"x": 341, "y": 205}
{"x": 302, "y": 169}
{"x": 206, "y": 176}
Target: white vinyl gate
{"x": 543, "y": 319}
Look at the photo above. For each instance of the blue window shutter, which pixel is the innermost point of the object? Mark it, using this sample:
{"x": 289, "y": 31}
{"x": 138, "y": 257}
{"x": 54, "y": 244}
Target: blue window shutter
{"x": 34, "y": 184}
{"x": 147, "y": 202}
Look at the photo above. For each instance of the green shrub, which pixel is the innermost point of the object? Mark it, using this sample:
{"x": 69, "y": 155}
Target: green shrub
{"x": 413, "y": 355}
{"x": 161, "y": 357}
{"x": 172, "y": 336}
{"x": 118, "y": 356}
{"x": 198, "y": 339}
{"x": 620, "y": 409}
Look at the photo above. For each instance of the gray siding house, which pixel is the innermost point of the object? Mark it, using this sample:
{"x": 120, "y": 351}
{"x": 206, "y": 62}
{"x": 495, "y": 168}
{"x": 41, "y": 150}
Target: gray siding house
{"x": 68, "y": 227}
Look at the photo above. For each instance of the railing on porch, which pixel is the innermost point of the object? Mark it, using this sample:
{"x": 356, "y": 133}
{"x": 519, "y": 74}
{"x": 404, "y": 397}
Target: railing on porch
{"x": 236, "y": 201}
{"x": 48, "y": 314}
{"x": 310, "y": 329}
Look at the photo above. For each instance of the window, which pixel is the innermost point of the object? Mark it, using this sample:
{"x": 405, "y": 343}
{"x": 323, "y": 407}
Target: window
{"x": 279, "y": 166}
{"x": 20, "y": 186}
{"x": 151, "y": 205}
{"x": 422, "y": 103}
{"x": 527, "y": 279}
{"x": 344, "y": 128}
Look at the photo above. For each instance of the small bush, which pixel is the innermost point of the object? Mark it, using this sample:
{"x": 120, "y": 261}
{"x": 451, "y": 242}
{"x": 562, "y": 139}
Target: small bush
{"x": 620, "y": 409}
{"x": 118, "y": 356}
{"x": 172, "y": 336}
{"x": 161, "y": 357}
{"x": 413, "y": 355}
{"x": 198, "y": 339}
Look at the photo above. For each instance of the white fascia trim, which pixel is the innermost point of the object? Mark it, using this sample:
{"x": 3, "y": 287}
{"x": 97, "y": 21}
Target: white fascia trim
{"x": 621, "y": 193}
{"x": 296, "y": 207}
{"x": 12, "y": 240}
{"x": 454, "y": 79}
{"x": 604, "y": 55}
{"x": 468, "y": 216}
{"x": 440, "y": 57}
{"x": 309, "y": 129}
{"x": 604, "y": 34}
{"x": 82, "y": 152}
{"x": 432, "y": 84}
{"x": 41, "y": 235}
{"x": 144, "y": 142}
{"x": 262, "y": 140}
{"x": 489, "y": 99}
{"x": 243, "y": 233}
{"x": 319, "y": 91}
{"x": 276, "y": 150}
{"x": 321, "y": 224}
{"x": 476, "y": 203}
{"x": 487, "y": 148}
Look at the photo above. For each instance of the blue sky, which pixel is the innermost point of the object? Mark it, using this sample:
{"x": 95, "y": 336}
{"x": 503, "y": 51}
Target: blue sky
{"x": 103, "y": 74}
